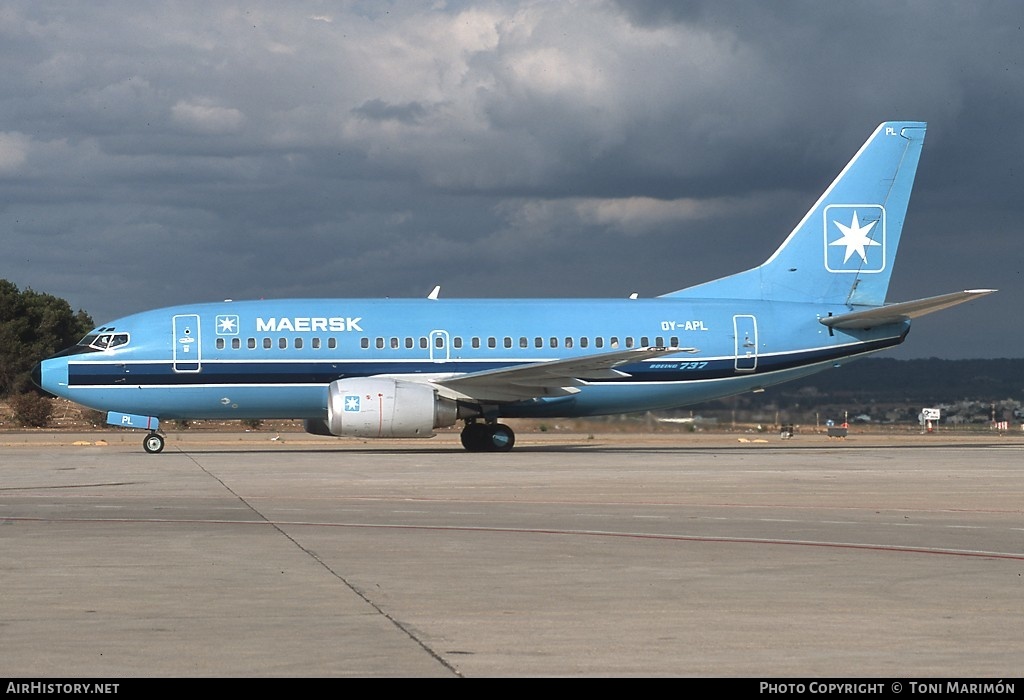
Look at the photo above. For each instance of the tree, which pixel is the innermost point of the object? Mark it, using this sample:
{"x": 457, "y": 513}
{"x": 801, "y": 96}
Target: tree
{"x": 33, "y": 326}
{"x": 32, "y": 410}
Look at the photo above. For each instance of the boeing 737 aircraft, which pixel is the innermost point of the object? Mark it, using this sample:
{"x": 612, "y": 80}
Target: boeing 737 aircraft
{"x": 402, "y": 367}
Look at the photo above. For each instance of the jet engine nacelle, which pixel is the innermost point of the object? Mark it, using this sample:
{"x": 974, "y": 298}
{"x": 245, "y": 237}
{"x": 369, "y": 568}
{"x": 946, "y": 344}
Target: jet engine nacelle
{"x": 384, "y": 408}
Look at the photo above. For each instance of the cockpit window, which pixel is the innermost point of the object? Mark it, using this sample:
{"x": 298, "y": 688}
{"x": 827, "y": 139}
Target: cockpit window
{"x": 104, "y": 341}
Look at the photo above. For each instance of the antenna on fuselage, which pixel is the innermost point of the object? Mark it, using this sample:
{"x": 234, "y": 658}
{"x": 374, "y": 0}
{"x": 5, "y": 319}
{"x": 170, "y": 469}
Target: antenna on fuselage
{"x": 434, "y": 292}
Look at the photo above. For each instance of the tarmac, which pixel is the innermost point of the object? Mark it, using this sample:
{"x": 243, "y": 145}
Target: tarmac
{"x": 253, "y": 554}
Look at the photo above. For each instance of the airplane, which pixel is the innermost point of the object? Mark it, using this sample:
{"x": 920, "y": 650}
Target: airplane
{"x": 396, "y": 368}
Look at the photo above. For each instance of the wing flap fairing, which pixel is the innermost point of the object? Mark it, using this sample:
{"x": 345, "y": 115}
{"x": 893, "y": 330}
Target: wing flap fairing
{"x": 551, "y": 378}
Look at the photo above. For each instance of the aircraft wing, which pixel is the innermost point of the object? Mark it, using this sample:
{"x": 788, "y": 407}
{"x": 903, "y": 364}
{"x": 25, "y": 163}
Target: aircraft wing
{"x": 552, "y": 378}
{"x": 894, "y": 313}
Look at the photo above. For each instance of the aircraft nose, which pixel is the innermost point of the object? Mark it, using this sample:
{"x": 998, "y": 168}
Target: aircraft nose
{"x": 51, "y": 376}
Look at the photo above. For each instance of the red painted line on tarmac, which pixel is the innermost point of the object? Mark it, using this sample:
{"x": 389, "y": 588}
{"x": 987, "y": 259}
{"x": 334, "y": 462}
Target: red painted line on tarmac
{"x": 529, "y": 531}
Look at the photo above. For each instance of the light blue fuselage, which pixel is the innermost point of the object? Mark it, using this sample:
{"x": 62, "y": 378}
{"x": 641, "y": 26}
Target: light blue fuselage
{"x": 275, "y": 359}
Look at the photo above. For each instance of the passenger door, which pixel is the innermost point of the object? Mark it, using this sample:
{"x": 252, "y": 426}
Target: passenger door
{"x": 187, "y": 352}
{"x": 745, "y": 328}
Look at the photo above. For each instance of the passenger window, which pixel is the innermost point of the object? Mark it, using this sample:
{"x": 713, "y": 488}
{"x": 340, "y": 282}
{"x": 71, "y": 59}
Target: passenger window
{"x": 613, "y": 343}
{"x": 236, "y": 343}
{"x": 538, "y": 342}
{"x": 584, "y": 341}
{"x": 674, "y": 341}
{"x": 380, "y": 343}
{"x": 457, "y": 342}
{"x": 492, "y": 342}
{"x": 508, "y": 342}
{"x": 476, "y": 342}
{"x": 554, "y": 342}
{"x": 316, "y": 343}
{"x": 439, "y": 341}
{"x": 251, "y": 343}
{"x": 659, "y": 341}
{"x": 568, "y": 342}
{"x": 394, "y": 343}
{"x": 267, "y": 343}
{"x": 598, "y": 342}
{"x": 220, "y": 343}
{"x": 333, "y": 343}
{"x": 629, "y": 341}
{"x": 282, "y": 343}
{"x": 363, "y": 343}
{"x": 409, "y": 343}
{"x": 298, "y": 343}
{"x": 644, "y": 341}
{"x": 423, "y": 343}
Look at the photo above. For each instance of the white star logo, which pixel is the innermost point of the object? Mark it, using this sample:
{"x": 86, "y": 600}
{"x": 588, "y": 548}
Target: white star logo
{"x": 351, "y": 403}
{"x": 864, "y": 235}
{"x": 855, "y": 237}
{"x": 227, "y": 324}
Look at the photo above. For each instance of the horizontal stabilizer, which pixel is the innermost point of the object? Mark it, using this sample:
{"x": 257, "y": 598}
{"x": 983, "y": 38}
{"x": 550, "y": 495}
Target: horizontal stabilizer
{"x": 894, "y": 313}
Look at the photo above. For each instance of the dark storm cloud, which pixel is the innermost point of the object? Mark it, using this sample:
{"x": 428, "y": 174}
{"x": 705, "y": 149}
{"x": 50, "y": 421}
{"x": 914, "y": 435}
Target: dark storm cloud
{"x": 408, "y": 113}
{"x": 157, "y": 155}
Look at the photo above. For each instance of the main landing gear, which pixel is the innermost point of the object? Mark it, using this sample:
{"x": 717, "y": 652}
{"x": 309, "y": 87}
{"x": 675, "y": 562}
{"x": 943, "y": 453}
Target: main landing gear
{"x": 153, "y": 443}
{"x": 487, "y": 437}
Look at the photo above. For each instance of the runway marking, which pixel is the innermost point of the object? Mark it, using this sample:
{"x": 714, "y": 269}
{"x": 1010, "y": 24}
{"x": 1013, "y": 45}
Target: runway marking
{"x": 69, "y": 486}
{"x": 667, "y": 504}
{"x": 278, "y": 524}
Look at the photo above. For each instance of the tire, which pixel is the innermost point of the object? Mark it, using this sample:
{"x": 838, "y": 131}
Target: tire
{"x": 500, "y": 438}
{"x": 474, "y": 437}
{"x": 153, "y": 443}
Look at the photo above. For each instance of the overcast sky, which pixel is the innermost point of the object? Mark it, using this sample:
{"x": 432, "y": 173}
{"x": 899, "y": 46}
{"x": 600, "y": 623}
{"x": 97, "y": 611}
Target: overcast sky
{"x": 153, "y": 154}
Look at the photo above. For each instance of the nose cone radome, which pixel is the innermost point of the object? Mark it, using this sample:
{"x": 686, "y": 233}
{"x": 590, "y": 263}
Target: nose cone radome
{"x": 51, "y": 376}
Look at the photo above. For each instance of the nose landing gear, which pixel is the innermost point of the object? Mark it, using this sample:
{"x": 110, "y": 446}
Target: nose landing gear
{"x": 153, "y": 443}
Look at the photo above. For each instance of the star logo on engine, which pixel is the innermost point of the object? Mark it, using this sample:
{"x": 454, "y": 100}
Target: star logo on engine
{"x": 854, "y": 238}
{"x": 351, "y": 403}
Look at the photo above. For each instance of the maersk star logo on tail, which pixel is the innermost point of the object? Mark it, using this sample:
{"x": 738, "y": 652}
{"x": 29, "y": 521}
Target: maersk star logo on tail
{"x": 854, "y": 238}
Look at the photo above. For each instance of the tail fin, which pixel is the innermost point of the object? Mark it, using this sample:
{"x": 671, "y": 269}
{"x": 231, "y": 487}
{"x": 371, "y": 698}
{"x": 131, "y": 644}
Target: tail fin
{"x": 842, "y": 251}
